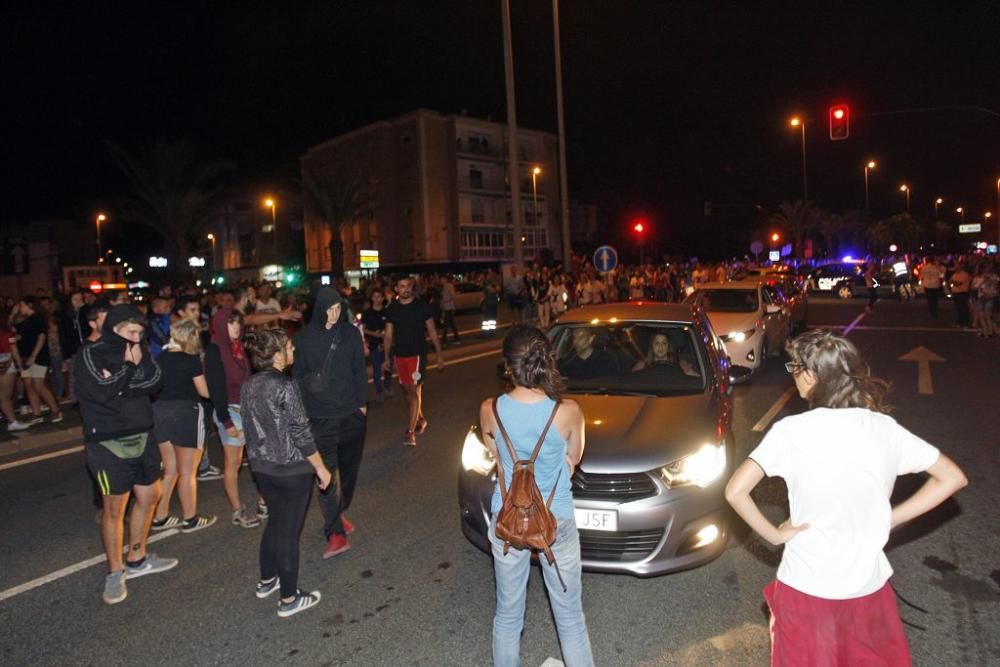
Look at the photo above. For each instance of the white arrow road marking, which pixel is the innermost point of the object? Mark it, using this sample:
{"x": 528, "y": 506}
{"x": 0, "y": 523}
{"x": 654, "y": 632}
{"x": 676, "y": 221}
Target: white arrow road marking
{"x": 923, "y": 357}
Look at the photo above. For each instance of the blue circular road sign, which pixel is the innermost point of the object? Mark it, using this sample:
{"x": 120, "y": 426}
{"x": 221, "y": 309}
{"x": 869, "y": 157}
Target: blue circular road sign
{"x": 605, "y": 258}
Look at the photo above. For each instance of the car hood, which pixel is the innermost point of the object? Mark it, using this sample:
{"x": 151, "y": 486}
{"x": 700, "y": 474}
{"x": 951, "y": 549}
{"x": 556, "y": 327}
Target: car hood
{"x": 636, "y": 434}
{"x": 723, "y": 323}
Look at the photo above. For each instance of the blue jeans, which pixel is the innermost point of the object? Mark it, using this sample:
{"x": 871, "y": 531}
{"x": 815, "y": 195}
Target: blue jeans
{"x": 512, "y": 572}
{"x": 377, "y": 356}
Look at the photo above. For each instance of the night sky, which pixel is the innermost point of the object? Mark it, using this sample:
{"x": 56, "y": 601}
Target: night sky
{"x": 668, "y": 104}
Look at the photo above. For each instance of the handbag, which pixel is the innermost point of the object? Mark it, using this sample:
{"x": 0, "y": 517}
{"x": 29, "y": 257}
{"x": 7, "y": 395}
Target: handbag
{"x": 315, "y": 382}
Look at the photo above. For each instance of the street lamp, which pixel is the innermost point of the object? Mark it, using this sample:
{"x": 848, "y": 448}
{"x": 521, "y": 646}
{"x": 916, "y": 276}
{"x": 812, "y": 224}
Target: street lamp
{"x": 211, "y": 237}
{"x": 961, "y": 213}
{"x": 800, "y": 123}
{"x": 271, "y": 204}
{"x": 937, "y": 202}
{"x": 904, "y": 188}
{"x": 534, "y": 192}
{"x": 868, "y": 167}
{"x": 100, "y": 218}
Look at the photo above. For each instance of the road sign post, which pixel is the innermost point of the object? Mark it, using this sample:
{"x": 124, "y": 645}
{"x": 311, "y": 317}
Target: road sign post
{"x": 605, "y": 259}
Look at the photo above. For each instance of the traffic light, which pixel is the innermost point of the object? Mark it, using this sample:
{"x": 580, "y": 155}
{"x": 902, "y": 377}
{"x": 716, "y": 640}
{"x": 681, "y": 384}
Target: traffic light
{"x": 840, "y": 122}
{"x": 639, "y": 227}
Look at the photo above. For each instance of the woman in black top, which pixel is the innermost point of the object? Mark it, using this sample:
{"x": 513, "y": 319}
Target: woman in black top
{"x": 179, "y": 427}
{"x": 32, "y": 332}
{"x": 283, "y": 456}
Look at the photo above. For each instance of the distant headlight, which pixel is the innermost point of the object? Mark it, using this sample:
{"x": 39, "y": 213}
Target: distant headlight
{"x": 738, "y": 336}
{"x": 475, "y": 456}
{"x": 701, "y": 468}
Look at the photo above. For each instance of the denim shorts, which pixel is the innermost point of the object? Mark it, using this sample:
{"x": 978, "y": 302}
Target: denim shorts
{"x": 227, "y": 440}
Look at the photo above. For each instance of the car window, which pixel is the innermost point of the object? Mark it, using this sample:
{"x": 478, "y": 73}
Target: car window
{"x": 726, "y": 300}
{"x": 647, "y": 358}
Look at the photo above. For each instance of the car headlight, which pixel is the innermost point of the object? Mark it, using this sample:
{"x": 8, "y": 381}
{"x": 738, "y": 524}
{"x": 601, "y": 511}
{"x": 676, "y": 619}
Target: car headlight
{"x": 701, "y": 468}
{"x": 738, "y": 336}
{"x": 475, "y": 456}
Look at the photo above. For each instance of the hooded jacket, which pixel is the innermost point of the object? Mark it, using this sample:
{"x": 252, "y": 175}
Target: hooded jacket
{"x": 347, "y": 383}
{"x": 114, "y": 393}
{"x": 237, "y": 369}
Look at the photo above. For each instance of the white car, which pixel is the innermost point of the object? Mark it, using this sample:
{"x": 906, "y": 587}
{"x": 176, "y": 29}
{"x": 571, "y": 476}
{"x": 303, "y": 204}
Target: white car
{"x": 750, "y": 322}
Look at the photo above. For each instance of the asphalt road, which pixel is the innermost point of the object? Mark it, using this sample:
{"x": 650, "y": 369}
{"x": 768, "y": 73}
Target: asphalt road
{"x": 412, "y": 591}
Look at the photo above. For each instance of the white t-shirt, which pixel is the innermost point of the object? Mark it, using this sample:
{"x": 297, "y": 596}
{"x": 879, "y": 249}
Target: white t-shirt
{"x": 272, "y": 305}
{"x": 840, "y": 466}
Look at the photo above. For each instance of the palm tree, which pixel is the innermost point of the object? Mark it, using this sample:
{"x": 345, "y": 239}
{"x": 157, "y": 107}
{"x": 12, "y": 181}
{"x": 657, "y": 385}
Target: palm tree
{"x": 799, "y": 219}
{"x": 176, "y": 192}
{"x": 337, "y": 201}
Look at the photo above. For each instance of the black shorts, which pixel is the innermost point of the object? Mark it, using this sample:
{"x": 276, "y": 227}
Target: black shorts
{"x": 181, "y": 423}
{"x": 116, "y": 476}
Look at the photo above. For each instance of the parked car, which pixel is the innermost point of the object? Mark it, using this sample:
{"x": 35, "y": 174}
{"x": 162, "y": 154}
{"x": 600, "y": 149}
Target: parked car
{"x": 752, "y": 324}
{"x": 847, "y": 279}
{"x": 468, "y": 296}
{"x": 648, "y": 493}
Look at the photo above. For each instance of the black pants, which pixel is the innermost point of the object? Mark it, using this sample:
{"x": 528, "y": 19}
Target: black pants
{"x": 341, "y": 442}
{"x": 287, "y": 500}
{"x": 962, "y": 315}
{"x": 933, "y": 294}
{"x": 872, "y": 297}
{"x": 449, "y": 324}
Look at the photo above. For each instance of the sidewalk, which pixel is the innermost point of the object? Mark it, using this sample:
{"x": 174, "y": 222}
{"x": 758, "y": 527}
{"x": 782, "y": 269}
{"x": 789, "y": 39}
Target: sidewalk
{"x": 44, "y": 434}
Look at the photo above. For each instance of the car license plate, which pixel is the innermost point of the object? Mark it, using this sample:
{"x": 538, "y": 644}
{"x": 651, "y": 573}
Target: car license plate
{"x": 587, "y": 519}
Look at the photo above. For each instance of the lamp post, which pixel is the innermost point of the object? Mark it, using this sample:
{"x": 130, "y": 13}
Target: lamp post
{"x": 905, "y": 189}
{"x": 998, "y": 214}
{"x": 871, "y": 164}
{"x": 534, "y": 192}
{"x": 961, "y": 214}
{"x": 100, "y": 218}
{"x": 800, "y": 123}
{"x": 271, "y": 204}
{"x": 563, "y": 185}
{"x": 211, "y": 237}
{"x": 937, "y": 202}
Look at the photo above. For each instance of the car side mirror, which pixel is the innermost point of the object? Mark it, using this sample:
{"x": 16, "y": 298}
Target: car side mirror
{"x": 773, "y": 308}
{"x": 739, "y": 374}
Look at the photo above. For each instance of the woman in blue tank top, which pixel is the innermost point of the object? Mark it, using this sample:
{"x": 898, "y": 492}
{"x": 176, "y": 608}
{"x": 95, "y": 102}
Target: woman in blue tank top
{"x": 524, "y": 411}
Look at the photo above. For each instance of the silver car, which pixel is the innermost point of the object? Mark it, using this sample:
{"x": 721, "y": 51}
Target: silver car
{"x": 653, "y": 383}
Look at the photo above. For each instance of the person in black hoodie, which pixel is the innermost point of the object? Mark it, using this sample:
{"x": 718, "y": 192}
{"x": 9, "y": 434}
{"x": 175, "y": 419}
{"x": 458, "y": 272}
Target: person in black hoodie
{"x": 330, "y": 369}
{"x": 115, "y": 377}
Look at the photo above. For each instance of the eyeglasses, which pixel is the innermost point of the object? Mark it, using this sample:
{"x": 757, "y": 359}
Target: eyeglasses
{"x": 792, "y": 367}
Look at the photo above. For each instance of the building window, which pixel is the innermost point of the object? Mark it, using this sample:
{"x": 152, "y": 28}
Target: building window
{"x": 479, "y": 243}
{"x": 475, "y": 178}
{"x": 478, "y": 210}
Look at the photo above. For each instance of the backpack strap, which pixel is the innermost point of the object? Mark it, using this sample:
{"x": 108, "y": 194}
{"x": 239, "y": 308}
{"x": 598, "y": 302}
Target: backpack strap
{"x": 510, "y": 447}
{"x": 545, "y": 431}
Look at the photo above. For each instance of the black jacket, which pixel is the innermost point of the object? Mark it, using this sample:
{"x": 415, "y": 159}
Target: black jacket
{"x": 346, "y": 388}
{"x": 215, "y": 378}
{"x": 278, "y": 437}
{"x": 114, "y": 394}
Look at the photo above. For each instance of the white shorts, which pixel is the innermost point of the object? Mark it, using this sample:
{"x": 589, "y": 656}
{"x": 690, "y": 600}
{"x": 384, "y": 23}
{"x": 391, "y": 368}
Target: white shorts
{"x": 35, "y": 371}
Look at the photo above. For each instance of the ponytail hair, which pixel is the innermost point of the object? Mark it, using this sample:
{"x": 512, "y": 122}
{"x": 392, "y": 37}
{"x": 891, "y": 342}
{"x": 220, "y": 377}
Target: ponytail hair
{"x": 843, "y": 378}
{"x": 531, "y": 361}
{"x": 263, "y": 345}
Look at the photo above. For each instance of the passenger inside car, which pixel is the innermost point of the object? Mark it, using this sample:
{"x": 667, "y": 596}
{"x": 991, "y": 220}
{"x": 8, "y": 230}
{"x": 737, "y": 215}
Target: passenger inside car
{"x": 663, "y": 359}
{"x": 586, "y": 360}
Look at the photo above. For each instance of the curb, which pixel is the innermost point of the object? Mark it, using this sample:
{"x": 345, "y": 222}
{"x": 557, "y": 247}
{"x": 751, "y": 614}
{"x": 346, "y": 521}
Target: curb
{"x": 27, "y": 443}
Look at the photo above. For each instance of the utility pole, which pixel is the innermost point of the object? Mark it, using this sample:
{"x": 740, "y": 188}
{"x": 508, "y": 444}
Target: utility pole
{"x": 513, "y": 146}
{"x": 563, "y": 182}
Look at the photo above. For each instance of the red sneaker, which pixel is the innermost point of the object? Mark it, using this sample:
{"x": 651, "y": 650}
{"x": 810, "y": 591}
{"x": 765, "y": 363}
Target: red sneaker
{"x": 336, "y": 544}
{"x": 348, "y": 526}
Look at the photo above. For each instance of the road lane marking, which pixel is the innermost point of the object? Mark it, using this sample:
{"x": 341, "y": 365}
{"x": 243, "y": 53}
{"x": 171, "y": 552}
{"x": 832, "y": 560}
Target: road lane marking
{"x": 762, "y": 424}
{"x": 923, "y": 357}
{"x": 72, "y": 569}
{"x": 889, "y": 328}
{"x": 853, "y": 324}
{"x": 41, "y": 457}
{"x": 453, "y": 362}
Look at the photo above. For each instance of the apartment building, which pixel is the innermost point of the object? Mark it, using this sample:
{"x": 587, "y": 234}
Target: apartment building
{"x": 437, "y": 190}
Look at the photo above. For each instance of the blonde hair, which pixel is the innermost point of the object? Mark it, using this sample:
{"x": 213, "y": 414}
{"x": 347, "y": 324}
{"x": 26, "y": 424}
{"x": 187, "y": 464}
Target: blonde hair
{"x": 185, "y": 336}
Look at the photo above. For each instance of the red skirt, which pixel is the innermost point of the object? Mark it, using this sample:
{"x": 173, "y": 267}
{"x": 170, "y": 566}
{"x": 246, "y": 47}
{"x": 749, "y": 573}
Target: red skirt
{"x": 817, "y": 632}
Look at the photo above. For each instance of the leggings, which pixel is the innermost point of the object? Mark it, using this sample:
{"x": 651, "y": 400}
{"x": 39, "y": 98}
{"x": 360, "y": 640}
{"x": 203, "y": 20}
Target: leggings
{"x": 287, "y": 499}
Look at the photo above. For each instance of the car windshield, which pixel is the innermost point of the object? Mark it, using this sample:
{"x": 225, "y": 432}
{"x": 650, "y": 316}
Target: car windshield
{"x": 630, "y": 358}
{"x": 725, "y": 300}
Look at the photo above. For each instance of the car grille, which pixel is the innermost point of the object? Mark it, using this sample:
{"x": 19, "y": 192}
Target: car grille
{"x": 618, "y": 547}
{"x": 623, "y": 487}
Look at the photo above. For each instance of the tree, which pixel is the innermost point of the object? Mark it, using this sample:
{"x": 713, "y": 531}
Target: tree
{"x": 336, "y": 200}
{"x": 176, "y": 192}
{"x": 799, "y": 219}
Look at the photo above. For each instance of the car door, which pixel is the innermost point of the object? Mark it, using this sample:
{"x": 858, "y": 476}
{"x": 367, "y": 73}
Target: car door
{"x": 776, "y": 323}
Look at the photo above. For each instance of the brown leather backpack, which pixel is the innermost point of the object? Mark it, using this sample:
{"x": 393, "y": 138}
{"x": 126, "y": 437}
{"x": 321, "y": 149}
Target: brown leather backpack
{"x": 525, "y": 520}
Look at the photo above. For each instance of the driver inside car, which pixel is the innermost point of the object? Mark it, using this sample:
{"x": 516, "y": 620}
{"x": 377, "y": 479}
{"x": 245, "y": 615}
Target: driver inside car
{"x": 587, "y": 361}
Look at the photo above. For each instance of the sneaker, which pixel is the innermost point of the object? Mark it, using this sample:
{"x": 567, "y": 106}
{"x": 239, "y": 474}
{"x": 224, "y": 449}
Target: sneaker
{"x": 422, "y": 424}
{"x": 31, "y": 421}
{"x": 151, "y": 564}
{"x": 165, "y": 523}
{"x": 335, "y": 545}
{"x": 301, "y": 602}
{"x": 210, "y": 474}
{"x": 262, "y": 512}
{"x": 56, "y": 419}
{"x": 196, "y": 523}
{"x": 411, "y": 439}
{"x": 17, "y": 425}
{"x": 265, "y": 588}
{"x": 348, "y": 526}
{"x": 114, "y": 587}
{"x": 243, "y": 518}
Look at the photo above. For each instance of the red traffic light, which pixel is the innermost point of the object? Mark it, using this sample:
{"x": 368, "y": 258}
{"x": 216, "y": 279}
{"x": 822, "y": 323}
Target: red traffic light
{"x": 840, "y": 122}
{"x": 639, "y": 227}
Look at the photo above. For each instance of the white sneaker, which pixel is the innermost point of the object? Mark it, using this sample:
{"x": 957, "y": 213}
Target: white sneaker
{"x": 17, "y": 425}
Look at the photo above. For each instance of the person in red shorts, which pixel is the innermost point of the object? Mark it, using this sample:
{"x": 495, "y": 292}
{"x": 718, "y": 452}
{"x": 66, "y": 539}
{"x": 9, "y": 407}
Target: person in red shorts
{"x": 831, "y": 603}
{"x": 408, "y": 324}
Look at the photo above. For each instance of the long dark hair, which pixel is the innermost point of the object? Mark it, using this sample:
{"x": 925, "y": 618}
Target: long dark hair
{"x": 531, "y": 361}
{"x": 843, "y": 378}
